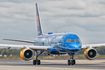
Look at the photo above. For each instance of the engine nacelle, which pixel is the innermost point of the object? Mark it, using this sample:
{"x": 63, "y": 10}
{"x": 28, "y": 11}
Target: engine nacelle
{"x": 27, "y": 54}
{"x": 90, "y": 53}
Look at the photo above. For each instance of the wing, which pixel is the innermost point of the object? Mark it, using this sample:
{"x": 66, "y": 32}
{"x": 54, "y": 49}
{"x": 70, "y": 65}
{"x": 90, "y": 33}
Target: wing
{"x": 25, "y": 46}
{"x": 92, "y": 45}
{"x": 19, "y": 40}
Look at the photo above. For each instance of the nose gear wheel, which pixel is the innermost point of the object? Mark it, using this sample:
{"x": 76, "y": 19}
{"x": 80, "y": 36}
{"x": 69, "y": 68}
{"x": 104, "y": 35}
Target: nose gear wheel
{"x": 71, "y": 61}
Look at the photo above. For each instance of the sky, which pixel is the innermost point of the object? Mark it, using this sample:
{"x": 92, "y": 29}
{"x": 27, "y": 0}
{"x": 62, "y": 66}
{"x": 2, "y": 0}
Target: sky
{"x": 86, "y": 18}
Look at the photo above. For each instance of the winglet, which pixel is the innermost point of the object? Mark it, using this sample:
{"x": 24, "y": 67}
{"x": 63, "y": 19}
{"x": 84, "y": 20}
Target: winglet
{"x": 38, "y": 22}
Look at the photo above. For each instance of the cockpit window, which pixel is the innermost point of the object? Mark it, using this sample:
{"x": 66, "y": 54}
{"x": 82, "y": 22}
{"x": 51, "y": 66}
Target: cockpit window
{"x": 68, "y": 40}
{"x": 78, "y": 40}
{"x": 73, "y": 40}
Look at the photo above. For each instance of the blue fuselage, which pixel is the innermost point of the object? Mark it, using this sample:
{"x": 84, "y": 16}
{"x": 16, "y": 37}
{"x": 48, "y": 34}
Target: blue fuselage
{"x": 59, "y": 43}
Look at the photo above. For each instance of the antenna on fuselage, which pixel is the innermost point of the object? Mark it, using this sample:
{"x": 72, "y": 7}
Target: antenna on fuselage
{"x": 38, "y": 21}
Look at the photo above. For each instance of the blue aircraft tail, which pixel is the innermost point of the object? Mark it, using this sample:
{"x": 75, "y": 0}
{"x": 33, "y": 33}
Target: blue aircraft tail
{"x": 38, "y": 22}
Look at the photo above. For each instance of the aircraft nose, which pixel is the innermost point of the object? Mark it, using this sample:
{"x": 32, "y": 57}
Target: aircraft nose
{"x": 76, "y": 46}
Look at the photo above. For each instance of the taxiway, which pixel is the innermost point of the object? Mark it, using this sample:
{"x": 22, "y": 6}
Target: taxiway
{"x": 56, "y": 64}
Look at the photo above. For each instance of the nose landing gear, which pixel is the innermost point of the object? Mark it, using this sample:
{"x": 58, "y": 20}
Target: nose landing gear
{"x": 71, "y": 61}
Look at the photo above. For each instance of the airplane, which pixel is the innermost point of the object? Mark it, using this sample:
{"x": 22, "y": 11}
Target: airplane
{"x": 54, "y": 43}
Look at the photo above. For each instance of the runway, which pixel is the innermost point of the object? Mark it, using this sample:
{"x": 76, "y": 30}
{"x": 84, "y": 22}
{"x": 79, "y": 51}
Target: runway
{"x": 57, "y": 64}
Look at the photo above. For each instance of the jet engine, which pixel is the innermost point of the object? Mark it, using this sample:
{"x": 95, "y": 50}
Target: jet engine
{"x": 90, "y": 53}
{"x": 27, "y": 54}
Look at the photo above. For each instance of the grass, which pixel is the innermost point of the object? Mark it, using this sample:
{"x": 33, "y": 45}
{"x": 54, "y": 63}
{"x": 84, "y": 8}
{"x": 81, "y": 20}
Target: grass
{"x": 52, "y": 57}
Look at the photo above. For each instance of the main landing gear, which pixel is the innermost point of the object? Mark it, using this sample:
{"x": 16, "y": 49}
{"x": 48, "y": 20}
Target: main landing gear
{"x": 36, "y": 61}
{"x": 71, "y": 61}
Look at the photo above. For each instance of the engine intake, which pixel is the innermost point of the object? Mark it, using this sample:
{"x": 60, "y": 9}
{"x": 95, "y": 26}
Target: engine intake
{"x": 27, "y": 54}
{"x": 90, "y": 53}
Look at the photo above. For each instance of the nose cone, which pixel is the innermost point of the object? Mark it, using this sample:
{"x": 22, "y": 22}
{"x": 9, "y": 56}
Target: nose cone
{"x": 72, "y": 42}
{"x": 74, "y": 47}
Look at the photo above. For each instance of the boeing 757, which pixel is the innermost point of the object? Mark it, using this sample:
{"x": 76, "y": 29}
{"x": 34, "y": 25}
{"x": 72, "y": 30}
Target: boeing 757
{"x": 54, "y": 43}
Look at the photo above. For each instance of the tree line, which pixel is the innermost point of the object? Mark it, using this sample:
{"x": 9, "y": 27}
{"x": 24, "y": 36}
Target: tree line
{"x": 100, "y": 50}
{"x": 8, "y": 52}
{"x": 16, "y": 52}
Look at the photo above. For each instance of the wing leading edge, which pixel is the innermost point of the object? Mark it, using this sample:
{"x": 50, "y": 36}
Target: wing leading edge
{"x": 25, "y": 46}
{"x": 26, "y": 41}
{"x": 92, "y": 45}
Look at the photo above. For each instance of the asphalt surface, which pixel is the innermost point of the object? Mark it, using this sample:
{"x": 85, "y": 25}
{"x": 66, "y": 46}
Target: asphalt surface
{"x": 56, "y": 64}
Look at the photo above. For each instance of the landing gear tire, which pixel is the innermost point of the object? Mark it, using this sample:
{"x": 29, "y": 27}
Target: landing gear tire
{"x": 36, "y": 62}
{"x": 71, "y": 62}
